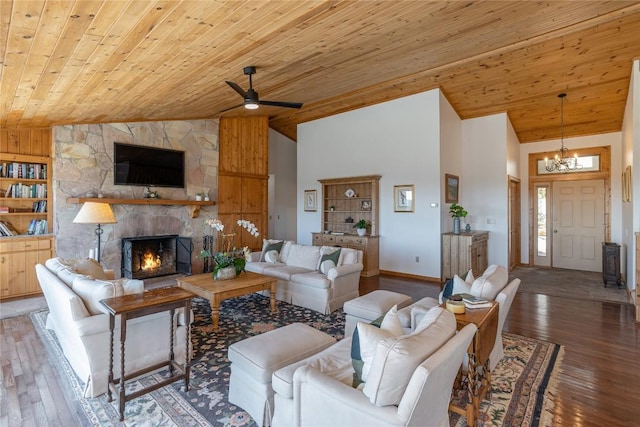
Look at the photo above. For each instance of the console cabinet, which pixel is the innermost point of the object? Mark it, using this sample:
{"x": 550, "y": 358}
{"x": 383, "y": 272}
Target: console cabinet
{"x": 18, "y": 259}
{"x": 464, "y": 251}
{"x": 367, "y": 244}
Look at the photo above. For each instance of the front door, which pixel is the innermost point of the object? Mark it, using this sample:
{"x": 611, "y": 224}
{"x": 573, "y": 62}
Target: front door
{"x": 578, "y": 224}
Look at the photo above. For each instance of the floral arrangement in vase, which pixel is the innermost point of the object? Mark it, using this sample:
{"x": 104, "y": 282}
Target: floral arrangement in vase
{"x": 229, "y": 256}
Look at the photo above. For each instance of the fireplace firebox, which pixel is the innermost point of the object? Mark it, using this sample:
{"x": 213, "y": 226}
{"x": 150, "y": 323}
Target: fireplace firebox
{"x": 153, "y": 256}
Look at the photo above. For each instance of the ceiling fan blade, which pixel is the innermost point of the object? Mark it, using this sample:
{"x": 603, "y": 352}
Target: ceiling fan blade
{"x": 237, "y": 88}
{"x": 230, "y": 108}
{"x": 282, "y": 104}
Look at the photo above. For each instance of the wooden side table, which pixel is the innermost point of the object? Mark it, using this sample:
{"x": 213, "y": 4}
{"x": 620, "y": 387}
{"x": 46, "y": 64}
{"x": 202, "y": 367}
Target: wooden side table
{"x": 478, "y": 380}
{"x": 138, "y": 305}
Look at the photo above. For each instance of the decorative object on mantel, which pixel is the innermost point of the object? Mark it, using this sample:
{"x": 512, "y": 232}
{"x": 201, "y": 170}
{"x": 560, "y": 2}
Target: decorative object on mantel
{"x": 562, "y": 161}
{"x": 95, "y": 213}
{"x": 350, "y": 193}
{"x": 457, "y": 212}
{"x": 229, "y": 261}
{"x": 148, "y": 194}
{"x": 361, "y": 227}
{"x": 467, "y": 228}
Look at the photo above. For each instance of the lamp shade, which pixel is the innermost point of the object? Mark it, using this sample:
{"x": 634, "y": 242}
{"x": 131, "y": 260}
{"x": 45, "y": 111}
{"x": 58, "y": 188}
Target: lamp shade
{"x": 95, "y": 213}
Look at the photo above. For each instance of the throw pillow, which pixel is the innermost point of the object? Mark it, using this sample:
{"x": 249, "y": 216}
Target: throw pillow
{"x": 272, "y": 257}
{"x": 333, "y": 256}
{"x": 397, "y": 358}
{"x": 492, "y": 281}
{"x": 326, "y": 265}
{"x": 460, "y": 286}
{"x": 90, "y": 267}
{"x": 270, "y": 245}
{"x": 365, "y": 339}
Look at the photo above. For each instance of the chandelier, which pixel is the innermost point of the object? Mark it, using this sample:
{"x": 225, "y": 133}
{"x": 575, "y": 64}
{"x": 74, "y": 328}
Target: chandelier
{"x": 562, "y": 161}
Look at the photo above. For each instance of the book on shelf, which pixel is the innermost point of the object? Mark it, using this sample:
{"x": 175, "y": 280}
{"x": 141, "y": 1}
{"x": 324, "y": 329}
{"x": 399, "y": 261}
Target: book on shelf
{"x": 7, "y": 229}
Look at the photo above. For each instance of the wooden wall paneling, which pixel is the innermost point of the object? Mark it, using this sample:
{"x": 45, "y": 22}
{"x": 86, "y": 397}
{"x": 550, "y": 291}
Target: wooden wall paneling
{"x": 243, "y": 176}
{"x": 254, "y": 195}
{"x": 230, "y": 144}
{"x": 229, "y": 190}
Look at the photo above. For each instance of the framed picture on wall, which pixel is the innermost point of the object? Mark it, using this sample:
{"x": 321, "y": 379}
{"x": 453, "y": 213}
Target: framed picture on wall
{"x": 403, "y": 198}
{"x": 451, "y": 188}
{"x": 310, "y": 200}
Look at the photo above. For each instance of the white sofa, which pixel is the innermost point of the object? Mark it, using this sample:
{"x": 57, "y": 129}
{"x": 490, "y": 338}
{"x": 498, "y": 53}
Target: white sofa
{"x": 302, "y": 281}
{"x": 83, "y": 329}
{"x": 409, "y": 381}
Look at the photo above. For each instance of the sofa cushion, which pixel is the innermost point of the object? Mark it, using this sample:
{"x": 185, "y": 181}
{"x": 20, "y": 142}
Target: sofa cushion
{"x": 304, "y": 256}
{"x": 492, "y": 281}
{"x": 333, "y": 361}
{"x": 272, "y": 257}
{"x": 260, "y": 266}
{"x": 270, "y": 245}
{"x": 313, "y": 279}
{"x": 90, "y": 267}
{"x": 348, "y": 256}
{"x": 397, "y": 358}
{"x": 365, "y": 340}
{"x": 91, "y": 291}
{"x": 329, "y": 253}
{"x": 326, "y": 265}
{"x": 286, "y": 272}
{"x": 407, "y": 313}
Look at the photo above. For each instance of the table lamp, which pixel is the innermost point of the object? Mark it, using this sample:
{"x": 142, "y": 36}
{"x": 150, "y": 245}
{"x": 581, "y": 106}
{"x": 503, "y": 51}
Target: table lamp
{"x": 95, "y": 213}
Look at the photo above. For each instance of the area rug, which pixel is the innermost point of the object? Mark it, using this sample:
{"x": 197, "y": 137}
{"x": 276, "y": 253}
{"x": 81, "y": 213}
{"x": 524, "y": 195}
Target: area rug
{"x": 521, "y": 394}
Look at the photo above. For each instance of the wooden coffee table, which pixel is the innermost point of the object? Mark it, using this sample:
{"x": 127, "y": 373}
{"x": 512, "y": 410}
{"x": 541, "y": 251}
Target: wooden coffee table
{"x": 218, "y": 290}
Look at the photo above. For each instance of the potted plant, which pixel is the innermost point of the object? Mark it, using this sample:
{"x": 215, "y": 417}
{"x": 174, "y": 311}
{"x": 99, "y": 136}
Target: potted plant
{"x": 361, "y": 227}
{"x": 456, "y": 211}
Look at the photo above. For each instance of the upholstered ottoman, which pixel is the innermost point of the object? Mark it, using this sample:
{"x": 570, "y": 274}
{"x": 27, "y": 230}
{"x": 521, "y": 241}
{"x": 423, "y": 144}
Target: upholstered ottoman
{"x": 371, "y": 306}
{"x": 253, "y": 361}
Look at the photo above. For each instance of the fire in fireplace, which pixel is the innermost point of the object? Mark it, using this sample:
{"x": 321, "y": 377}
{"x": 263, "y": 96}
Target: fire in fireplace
{"x": 153, "y": 256}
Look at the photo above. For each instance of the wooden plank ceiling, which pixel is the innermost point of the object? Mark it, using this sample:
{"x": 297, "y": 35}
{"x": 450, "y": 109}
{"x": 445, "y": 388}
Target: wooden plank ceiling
{"x": 98, "y": 61}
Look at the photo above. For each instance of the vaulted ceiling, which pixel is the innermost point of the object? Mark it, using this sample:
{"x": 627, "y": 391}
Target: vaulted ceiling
{"x": 105, "y": 61}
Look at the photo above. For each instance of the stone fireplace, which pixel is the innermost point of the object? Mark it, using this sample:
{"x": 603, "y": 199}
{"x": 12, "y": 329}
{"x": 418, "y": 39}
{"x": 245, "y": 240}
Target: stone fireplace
{"x": 144, "y": 257}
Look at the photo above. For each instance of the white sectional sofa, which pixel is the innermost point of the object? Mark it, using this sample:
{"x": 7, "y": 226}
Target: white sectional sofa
{"x": 301, "y": 278}
{"x": 73, "y": 290}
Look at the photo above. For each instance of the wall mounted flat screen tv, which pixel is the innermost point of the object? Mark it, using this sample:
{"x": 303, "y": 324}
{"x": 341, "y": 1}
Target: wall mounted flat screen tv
{"x": 147, "y": 166}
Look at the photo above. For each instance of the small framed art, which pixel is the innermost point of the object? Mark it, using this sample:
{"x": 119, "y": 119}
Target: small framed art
{"x": 403, "y": 198}
{"x": 451, "y": 188}
{"x": 365, "y": 205}
{"x": 310, "y": 200}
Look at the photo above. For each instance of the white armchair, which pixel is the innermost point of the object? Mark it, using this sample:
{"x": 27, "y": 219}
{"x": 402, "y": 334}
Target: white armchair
{"x": 320, "y": 400}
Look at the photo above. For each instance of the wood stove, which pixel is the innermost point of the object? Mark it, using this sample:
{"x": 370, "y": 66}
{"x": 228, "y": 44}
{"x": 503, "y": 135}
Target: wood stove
{"x": 153, "y": 256}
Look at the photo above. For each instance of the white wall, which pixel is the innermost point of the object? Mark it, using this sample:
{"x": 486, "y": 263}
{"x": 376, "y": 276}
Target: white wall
{"x": 450, "y": 157}
{"x": 484, "y": 182}
{"x": 630, "y": 145}
{"x": 399, "y": 140}
{"x": 282, "y": 169}
{"x": 610, "y": 139}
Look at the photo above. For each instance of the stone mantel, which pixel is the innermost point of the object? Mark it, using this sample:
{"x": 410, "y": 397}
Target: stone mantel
{"x": 194, "y": 204}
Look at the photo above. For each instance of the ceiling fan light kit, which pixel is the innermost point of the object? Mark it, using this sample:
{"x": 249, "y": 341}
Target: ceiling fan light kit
{"x": 562, "y": 161}
{"x": 251, "y": 98}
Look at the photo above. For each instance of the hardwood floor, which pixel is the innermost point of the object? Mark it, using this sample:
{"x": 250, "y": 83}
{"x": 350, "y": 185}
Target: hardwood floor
{"x": 597, "y": 385}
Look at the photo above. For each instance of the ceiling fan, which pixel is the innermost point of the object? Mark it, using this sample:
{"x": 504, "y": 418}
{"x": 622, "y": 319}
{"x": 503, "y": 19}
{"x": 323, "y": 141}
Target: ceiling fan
{"x": 251, "y": 100}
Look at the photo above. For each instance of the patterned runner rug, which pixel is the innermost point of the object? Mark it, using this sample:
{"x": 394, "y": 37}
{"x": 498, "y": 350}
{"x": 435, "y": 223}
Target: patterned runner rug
{"x": 521, "y": 395}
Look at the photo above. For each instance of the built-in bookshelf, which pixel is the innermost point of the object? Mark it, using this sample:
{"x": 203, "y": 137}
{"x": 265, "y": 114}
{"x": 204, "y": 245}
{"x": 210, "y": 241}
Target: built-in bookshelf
{"x": 24, "y": 194}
